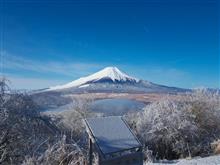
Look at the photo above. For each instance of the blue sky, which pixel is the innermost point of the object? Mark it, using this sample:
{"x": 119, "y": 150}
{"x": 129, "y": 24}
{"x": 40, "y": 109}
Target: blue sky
{"x": 170, "y": 42}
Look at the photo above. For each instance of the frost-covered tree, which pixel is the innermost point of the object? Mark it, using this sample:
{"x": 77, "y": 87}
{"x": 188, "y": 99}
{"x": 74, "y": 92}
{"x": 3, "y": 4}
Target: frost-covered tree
{"x": 71, "y": 120}
{"x": 22, "y": 127}
{"x": 26, "y": 134}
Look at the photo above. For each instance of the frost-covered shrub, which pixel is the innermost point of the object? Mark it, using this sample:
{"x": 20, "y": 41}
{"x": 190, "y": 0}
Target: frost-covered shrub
{"x": 167, "y": 128}
{"x": 180, "y": 127}
{"x": 59, "y": 153}
{"x": 148, "y": 155}
{"x": 206, "y": 108}
{"x": 216, "y": 146}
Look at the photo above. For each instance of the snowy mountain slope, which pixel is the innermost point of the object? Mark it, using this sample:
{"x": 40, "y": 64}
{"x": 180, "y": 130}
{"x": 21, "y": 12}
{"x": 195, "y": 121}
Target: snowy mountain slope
{"x": 111, "y": 79}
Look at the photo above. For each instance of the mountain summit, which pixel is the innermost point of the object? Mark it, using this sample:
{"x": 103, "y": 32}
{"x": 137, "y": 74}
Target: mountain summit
{"x": 108, "y": 74}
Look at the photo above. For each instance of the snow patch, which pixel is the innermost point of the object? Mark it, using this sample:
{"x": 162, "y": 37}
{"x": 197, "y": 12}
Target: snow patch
{"x": 84, "y": 86}
{"x": 211, "y": 160}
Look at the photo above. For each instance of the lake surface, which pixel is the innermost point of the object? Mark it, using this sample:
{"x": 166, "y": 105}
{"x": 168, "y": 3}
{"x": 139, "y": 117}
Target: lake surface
{"x": 107, "y": 107}
{"x": 116, "y": 106}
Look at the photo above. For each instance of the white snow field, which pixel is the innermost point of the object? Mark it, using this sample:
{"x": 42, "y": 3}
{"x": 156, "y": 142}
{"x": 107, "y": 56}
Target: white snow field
{"x": 211, "y": 160}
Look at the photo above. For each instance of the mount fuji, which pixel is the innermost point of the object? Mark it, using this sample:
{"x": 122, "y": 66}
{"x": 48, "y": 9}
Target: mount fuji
{"x": 107, "y": 75}
{"x": 109, "y": 82}
{"x": 111, "y": 79}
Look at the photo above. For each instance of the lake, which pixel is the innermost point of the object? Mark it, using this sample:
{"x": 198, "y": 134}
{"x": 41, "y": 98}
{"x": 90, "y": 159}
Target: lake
{"x": 116, "y": 106}
{"x": 107, "y": 107}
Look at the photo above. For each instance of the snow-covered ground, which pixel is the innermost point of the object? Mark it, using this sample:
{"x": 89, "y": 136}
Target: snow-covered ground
{"x": 212, "y": 160}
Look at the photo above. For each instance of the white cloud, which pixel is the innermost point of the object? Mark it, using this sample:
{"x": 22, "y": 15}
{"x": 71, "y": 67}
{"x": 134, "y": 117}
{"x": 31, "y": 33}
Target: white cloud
{"x": 57, "y": 67}
{"x": 162, "y": 75}
{"x": 18, "y": 64}
{"x": 72, "y": 70}
{"x": 31, "y": 83}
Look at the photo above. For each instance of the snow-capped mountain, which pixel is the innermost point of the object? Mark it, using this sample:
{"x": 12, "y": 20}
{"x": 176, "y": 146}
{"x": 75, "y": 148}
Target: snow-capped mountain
{"x": 111, "y": 79}
{"x": 107, "y": 81}
{"x": 108, "y": 74}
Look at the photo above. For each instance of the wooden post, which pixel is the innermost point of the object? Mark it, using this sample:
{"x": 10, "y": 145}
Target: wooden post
{"x": 90, "y": 151}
